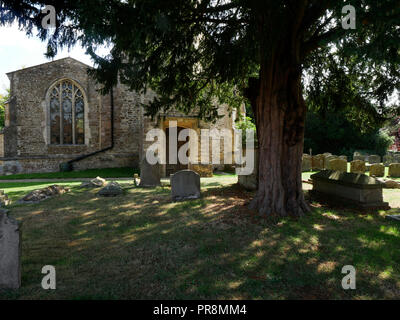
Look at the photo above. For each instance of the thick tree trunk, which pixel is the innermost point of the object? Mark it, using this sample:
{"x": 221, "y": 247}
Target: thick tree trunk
{"x": 280, "y": 118}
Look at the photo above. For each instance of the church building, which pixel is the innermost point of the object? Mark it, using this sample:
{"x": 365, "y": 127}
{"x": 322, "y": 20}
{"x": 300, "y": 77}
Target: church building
{"x": 56, "y": 116}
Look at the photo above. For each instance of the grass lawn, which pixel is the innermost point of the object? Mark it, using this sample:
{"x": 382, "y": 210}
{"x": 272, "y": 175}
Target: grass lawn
{"x": 90, "y": 173}
{"x": 142, "y": 246}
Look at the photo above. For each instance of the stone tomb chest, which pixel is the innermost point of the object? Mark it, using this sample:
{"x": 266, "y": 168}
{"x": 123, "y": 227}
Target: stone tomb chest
{"x": 352, "y": 188}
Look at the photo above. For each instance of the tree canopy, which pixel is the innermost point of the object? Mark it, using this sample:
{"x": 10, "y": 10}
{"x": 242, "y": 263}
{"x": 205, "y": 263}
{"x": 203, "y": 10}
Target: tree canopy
{"x": 274, "y": 53}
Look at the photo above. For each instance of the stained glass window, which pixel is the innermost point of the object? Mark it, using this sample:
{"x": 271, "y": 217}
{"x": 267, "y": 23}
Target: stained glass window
{"x": 67, "y": 114}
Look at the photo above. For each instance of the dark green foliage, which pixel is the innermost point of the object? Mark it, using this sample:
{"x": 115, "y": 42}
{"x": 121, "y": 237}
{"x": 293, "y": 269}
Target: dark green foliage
{"x": 334, "y": 133}
{"x": 3, "y": 100}
{"x": 191, "y": 52}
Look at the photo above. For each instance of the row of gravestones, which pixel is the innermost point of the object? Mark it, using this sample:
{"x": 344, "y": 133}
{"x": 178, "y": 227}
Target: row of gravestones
{"x": 387, "y": 159}
{"x": 330, "y": 162}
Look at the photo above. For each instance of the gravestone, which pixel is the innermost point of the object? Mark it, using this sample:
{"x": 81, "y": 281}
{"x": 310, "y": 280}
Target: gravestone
{"x": 149, "y": 174}
{"x": 328, "y": 159}
{"x": 356, "y": 189}
{"x": 357, "y": 166}
{"x": 394, "y": 170}
{"x": 343, "y": 158}
{"x": 338, "y": 165}
{"x": 10, "y": 253}
{"x": 318, "y": 162}
{"x": 374, "y": 159}
{"x": 185, "y": 185}
{"x": 306, "y": 163}
{"x": 396, "y": 158}
{"x": 388, "y": 159}
{"x": 377, "y": 170}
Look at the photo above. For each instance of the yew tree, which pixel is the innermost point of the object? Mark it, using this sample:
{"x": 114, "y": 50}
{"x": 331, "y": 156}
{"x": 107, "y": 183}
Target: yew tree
{"x": 274, "y": 53}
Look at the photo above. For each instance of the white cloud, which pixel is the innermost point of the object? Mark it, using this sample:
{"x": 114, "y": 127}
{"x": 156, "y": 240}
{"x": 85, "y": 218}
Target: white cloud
{"x": 17, "y": 50}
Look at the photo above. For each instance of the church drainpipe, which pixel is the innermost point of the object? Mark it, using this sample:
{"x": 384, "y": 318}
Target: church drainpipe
{"x": 67, "y": 166}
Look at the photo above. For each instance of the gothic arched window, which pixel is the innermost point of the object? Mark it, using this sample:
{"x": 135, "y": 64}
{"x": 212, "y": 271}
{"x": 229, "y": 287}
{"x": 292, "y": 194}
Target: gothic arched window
{"x": 67, "y": 113}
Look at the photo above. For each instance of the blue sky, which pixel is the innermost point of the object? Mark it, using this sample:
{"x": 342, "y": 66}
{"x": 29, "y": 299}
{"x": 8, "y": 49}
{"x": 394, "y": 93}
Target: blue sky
{"x": 18, "y": 51}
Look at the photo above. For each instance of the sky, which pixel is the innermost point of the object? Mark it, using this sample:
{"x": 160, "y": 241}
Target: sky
{"x": 18, "y": 51}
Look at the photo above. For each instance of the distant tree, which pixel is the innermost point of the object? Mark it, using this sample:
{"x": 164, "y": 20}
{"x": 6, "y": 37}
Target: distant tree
{"x": 273, "y": 51}
{"x": 3, "y": 100}
{"x": 334, "y": 132}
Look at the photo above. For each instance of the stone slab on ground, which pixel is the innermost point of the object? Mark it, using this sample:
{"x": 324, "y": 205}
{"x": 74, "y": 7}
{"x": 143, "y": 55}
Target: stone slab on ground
{"x": 10, "y": 253}
{"x": 97, "y": 182}
{"x": 112, "y": 189}
{"x": 185, "y": 185}
{"x": 394, "y": 217}
{"x": 357, "y": 189}
{"x": 39, "y": 195}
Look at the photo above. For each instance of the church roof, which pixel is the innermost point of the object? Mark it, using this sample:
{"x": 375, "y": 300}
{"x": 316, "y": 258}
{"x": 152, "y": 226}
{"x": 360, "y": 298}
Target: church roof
{"x": 47, "y": 63}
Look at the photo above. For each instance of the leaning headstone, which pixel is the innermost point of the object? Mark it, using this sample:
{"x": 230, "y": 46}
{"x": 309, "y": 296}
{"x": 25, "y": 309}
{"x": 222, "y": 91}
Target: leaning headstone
{"x": 318, "y": 162}
{"x": 394, "y": 170}
{"x": 149, "y": 174}
{"x": 357, "y": 166}
{"x": 185, "y": 185}
{"x": 306, "y": 163}
{"x": 374, "y": 159}
{"x": 388, "y": 159}
{"x": 10, "y": 253}
{"x": 377, "y": 170}
{"x": 357, "y": 189}
{"x": 338, "y": 165}
{"x": 112, "y": 189}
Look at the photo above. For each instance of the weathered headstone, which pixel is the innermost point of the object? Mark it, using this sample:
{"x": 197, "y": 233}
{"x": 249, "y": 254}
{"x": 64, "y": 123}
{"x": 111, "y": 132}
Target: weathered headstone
{"x": 374, "y": 159}
{"x": 394, "y": 170}
{"x": 377, "y": 170}
{"x": 328, "y": 159}
{"x": 149, "y": 174}
{"x": 338, "y": 165}
{"x": 357, "y": 189}
{"x": 10, "y": 253}
{"x": 306, "y": 163}
{"x": 388, "y": 159}
{"x": 185, "y": 185}
{"x": 97, "y": 182}
{"x": 318, "y": 162}
{"x": 357, "y": 166}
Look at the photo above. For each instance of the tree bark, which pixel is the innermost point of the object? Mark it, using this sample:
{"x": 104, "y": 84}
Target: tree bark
{"x": 280, "y": 119}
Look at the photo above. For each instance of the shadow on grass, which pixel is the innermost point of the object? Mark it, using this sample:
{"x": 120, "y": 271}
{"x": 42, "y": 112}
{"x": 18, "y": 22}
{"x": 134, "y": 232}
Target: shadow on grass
{"x": 142, "y": 246}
